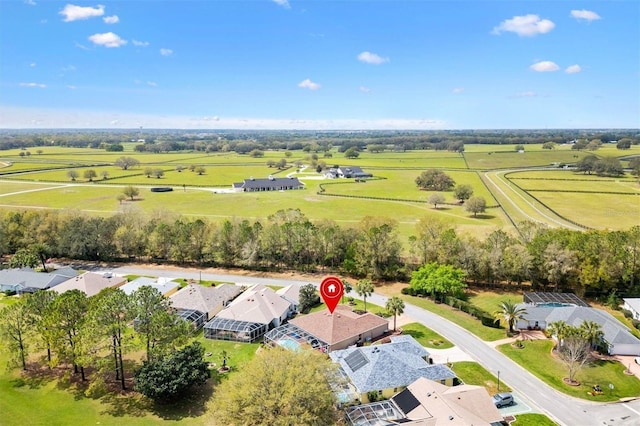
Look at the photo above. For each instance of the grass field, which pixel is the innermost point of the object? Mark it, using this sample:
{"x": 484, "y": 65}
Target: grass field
{"x": 398, "y": 170}
{"x": 533, "y": 419}
{"x": 536, "y": 357}
{"x": 473, "y": 373}
{"x": 425, "y": 336}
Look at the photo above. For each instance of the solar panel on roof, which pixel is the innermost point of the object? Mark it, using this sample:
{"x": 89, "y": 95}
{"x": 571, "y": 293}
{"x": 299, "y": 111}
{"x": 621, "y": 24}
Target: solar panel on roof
{"x": 356, "y": 360}
{"x": 406, "y": 401}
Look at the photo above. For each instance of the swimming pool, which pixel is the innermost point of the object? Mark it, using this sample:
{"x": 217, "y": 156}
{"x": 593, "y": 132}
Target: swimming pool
{"x": 289, "y": 344}
{"x": 554, "y": 305}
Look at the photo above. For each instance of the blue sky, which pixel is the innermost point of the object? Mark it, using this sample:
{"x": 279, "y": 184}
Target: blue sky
{"x": 359, "y": 64}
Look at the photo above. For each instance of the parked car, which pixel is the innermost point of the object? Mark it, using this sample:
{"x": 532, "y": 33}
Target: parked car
{"x": 502, "y": 399}
{"x": 637, "y": 360}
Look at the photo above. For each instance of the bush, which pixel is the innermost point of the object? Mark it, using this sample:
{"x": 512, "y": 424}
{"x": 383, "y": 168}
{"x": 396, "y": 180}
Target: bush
{"x": 627, "y": 313}
{"x": 635, "y": 323}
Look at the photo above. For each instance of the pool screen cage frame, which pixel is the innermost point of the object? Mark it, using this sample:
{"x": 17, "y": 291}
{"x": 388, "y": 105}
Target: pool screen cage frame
{"x": 293, "y": 332}
{"x": 536, "y": 298}
{"x": 234, "y": 330}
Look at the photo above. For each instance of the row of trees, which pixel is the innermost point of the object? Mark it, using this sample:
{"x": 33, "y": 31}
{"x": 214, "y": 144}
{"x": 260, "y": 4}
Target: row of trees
{"x": 71, "y": 329}
{"x": 608, "y": 166}
{"x": 592, "y": 262}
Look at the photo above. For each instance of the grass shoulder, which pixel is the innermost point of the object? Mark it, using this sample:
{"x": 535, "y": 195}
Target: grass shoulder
{"x": 533, "y": 419}
{"x": 425, "y": 336}
{"x": 472, "y": 373}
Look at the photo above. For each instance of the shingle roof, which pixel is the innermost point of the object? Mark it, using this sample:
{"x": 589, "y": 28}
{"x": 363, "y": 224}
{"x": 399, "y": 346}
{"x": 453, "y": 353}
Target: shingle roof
{"x": 28, "y": 278}
{"x": 90, "y": 283}
{"x": 614, "y": 331}
{"x": 391, "y": 365}
{"x": 290, "y": 292}
{"x": 343, "y": 324}
{"x": 633, "y": 303}
{"x": 259, "y": 304}
{"x": 203, "y": 299}
{"x": 163, "y": 285}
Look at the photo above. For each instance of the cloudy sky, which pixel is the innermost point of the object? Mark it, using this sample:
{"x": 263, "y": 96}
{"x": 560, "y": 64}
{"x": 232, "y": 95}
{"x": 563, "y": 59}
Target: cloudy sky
{"x": 342, "y": 64}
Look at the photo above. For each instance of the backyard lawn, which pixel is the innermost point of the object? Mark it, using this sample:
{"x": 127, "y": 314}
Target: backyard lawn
{"x": 536, "y": 357}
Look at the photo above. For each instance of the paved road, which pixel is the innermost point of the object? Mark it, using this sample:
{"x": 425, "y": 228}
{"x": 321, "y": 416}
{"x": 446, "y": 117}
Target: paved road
{"x": 563, "y": 409}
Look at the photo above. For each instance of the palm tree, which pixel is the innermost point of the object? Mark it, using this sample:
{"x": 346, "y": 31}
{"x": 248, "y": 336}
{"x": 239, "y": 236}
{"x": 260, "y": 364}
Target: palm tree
{"x": 592, "y": 331}
{"x": 510, "y": 312}
{"x": 364, "y": 288}
{"x": 347, "y": 288}
{"x": 395, "y": 305}
{"x": 559, "y": 329}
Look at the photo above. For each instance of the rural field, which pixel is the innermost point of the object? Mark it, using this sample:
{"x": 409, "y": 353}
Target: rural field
{"x": 517, "y": 186}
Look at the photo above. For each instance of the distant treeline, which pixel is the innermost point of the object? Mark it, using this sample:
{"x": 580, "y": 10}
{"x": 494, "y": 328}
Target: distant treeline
{"x": 595, "y": 263}
{"x": 245, "y": 141}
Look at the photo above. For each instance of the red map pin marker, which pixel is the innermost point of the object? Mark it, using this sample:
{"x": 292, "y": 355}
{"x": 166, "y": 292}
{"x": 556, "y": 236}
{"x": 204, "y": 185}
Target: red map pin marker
{"x": 331, "y": 290}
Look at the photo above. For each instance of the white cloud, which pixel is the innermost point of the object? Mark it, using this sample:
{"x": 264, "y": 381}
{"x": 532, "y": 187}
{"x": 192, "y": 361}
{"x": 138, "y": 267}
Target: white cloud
{"x": 38, "y": 85}
{"x": 458, "y": 90}
{"x": 32, "y": 64}
{"x": 81, "y": 46}
{"x": 107, "y": 40}
{"x": 111, "y": 19}
{"x": 364, "y": 89}
{"x": 69, "y": 68}
{"x": 30, "y": 2}
{"x": 76, "y": 13}
{"x": 19, "y": 117}
{"x": 527, "y": 25}
{"x": 71, "y": 87}
{"x": 152, "y": 83}
{"x": 585, "y": 15}
{"x": 573, "y": 69}
{"x": 544, "y": 66}
{"x": 140, "y": 43}
{"x": 166, "y": 52}
{"x": 283, "y": 3}
{"x": 371, "y": 58}
{"x": 308, "y": 84}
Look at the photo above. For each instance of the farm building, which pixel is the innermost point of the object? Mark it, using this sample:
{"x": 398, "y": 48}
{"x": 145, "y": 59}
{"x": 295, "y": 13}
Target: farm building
{"x": 268, "y": 184}
{"x": 347, "y": 172}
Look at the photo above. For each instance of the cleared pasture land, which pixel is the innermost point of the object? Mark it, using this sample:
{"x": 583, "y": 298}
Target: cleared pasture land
{"x": 399, "y": 168}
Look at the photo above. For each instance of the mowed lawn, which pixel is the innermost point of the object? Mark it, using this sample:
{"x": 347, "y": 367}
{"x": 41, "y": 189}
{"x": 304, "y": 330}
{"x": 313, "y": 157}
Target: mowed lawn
{"x": 536, "y": 357}
{"x": 500, "y": 159}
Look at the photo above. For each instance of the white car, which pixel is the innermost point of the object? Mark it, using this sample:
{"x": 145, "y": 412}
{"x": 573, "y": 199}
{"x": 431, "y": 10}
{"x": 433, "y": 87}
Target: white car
{"x": 637, "y": 360}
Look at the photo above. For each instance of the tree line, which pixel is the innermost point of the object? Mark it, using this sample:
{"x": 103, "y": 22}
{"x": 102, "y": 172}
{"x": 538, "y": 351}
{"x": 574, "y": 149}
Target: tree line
{"x": 593, "y": 263}
{"x": 71, "y": 330}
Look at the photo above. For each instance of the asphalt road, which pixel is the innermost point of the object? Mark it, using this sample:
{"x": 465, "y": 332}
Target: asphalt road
{"x": 563, "y": 409}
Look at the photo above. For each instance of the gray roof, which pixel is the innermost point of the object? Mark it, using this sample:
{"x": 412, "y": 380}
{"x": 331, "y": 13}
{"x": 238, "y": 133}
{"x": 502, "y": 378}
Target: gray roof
{"x": 204, "y": 299}
{"x": 391, "y": 365}
{"x": 28, "y": 278}
{"x": 271, "y": 183}
{"x": 614, "y": 331}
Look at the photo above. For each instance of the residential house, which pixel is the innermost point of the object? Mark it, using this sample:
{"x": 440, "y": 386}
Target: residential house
{"x": 342, "y": 328}
{"x": 269, "y": 184}
{"x": 197, "y": 304}
{"x": 429, "y": 403}
{"x": 165, "y": 286}
{"x": 632, "y": 305}
{"x": 250, "y": 316}
{"x": 91, "y": 283}
{"x": 290, "y": 293}
{"x": 352, "y": 172}
{"x": 26, "y": 280}
{"x": 617, "y": 337}
{"x": 379, "y": 371}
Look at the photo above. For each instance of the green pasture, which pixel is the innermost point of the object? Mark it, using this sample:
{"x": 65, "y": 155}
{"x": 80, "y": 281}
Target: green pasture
{"x": 564, "y": 175}
{"x": 503, "y": 160}
{"x": 473, "y": 373}
{"x": 422, "y": 160}
{"x": 599, "y": 211}
{"x": 489, "y": 300}
{"x": 10, "y": 187}
{"x": 24, "y": 166}
{"x": 536, "y": 357}
{"x": 592, "y": 185}
{"x": 401, "y": 184}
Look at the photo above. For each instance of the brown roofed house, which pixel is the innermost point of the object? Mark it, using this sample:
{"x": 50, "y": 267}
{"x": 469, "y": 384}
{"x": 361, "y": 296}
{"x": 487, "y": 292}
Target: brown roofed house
{"x": 343, "y": 328}
{"x": 90, "y": 283}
